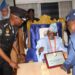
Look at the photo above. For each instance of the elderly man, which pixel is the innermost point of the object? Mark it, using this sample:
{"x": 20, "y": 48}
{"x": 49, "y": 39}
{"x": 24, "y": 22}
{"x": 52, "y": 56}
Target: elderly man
{"x": 50, "y": 43}
{"x": 5, "y": 10}
{"x": 70, "y": 61}
{"x": 8, "y": 32}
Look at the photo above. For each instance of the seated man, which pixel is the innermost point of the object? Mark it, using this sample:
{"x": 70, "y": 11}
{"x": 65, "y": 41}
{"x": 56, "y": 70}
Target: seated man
{"x": 50, "y": 43}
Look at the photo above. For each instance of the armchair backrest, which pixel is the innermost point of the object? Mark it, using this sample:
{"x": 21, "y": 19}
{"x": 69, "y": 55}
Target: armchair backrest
{"x": 35, "y": 35}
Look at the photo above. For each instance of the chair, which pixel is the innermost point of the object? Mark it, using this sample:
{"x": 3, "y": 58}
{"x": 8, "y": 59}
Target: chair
{"x": 34, "y": 32}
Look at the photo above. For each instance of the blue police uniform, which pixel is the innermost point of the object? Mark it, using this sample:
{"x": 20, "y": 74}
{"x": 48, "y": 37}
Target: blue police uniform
{"x": 70, "y": 61}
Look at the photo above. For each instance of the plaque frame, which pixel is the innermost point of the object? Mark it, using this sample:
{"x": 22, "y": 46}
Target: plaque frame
{"x": 57, "y": 65}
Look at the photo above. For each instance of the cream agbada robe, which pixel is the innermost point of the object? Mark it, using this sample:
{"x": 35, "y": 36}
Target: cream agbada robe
{"x": 44, "y": 42}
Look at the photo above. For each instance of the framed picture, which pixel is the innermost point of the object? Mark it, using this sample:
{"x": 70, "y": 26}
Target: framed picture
{"x": 54, "y": 59}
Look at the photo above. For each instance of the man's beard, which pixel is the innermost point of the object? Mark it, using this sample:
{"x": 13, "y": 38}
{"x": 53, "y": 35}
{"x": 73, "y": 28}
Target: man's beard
{"x": 51, "y": 37}
{"x": 6, "y": 17}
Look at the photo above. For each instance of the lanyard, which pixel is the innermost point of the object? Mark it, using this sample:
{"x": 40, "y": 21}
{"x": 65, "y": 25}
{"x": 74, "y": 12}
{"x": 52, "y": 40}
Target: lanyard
{"x": 53, "y": 50}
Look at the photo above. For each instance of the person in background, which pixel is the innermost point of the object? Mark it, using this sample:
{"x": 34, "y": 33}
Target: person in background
{"x": 50, "y": 43}
{"x": 31, "y": 53}
{"x": 30, "y": 20}
{"x": 21, "y": 39}
{"x": 70, "y": 61}
{"x": 8, "y": 33}
{"x": 5, "y": 10}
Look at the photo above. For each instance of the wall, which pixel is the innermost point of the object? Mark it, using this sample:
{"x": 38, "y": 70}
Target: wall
{"x": 64, "y": 8}
{"x": 36, "y": 7}
{"x": 37, "y": 1}
{"x": 64, "y": 5}
{"x": 73, "y": 4}
{"x": 10, "y": 2}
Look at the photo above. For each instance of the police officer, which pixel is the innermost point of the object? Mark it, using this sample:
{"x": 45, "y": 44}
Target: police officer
{"x": 8, "y": 32}
{"x": 70, "y": 61}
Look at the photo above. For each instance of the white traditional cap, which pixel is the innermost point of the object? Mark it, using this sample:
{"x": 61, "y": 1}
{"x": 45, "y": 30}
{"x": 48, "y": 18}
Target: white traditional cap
{"x": 53, "y": 27}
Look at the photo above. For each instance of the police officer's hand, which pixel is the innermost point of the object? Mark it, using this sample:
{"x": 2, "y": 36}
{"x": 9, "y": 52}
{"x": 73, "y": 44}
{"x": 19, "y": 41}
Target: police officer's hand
{"x": 41, "y": 49}
{"x": 13, "y": 65}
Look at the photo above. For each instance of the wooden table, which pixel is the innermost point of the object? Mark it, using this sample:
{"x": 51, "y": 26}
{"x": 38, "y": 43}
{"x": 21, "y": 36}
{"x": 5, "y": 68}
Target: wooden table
{"x": 39, "y": 69}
